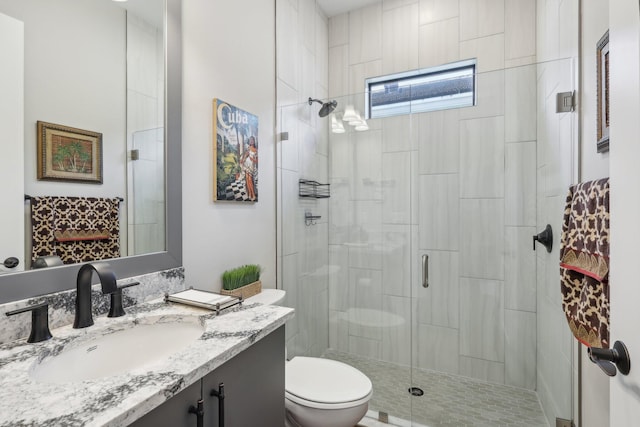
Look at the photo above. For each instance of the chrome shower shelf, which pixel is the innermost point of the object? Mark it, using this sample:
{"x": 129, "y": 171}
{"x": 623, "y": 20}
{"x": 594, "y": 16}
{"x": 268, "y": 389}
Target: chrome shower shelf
{"x": 313, "y": 189}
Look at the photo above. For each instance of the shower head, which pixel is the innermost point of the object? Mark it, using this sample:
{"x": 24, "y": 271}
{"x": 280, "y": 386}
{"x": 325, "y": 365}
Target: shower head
{"x": 327, "y": 107}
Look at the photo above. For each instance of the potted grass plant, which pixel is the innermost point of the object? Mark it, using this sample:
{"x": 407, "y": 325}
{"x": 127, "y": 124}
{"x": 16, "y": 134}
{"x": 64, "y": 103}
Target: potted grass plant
{"x": 242, "y": 281}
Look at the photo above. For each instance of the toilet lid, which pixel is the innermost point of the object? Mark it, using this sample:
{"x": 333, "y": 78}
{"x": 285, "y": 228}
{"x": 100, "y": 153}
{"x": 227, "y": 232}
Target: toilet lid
{"x": 325, "y": 381}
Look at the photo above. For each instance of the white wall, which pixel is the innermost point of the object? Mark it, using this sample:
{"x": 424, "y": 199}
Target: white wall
{"x": 624, "y": 42}
{"x": 75, "y": 86}
{"x": 228, "y": 53}
{"x": 593, "y": 165}
{"x": 11, "y": 123}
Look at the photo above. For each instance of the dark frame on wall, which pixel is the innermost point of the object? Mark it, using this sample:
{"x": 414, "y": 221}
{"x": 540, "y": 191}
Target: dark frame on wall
{"x": 69, "y": 154}
{"x": 602, "y": 77}
{"x": 235, "y": 152}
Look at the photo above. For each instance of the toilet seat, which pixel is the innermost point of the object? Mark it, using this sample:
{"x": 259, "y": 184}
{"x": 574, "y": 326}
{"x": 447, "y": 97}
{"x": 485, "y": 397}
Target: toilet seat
{"x": 325, "y": 384}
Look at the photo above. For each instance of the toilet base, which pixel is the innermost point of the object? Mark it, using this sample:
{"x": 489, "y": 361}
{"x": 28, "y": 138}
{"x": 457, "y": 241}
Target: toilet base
{"x": 303, "y": 416}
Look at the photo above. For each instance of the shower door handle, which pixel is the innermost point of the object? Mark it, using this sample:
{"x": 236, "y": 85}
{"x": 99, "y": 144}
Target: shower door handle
{"x": 425, "y": 271}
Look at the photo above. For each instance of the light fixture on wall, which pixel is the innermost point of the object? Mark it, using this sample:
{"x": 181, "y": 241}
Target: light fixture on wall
{"x": 336, "y": 125}
{"x": 350, "y": 116}
{"x": 356, "y": 120}
{"x": 359, "y": 123}
{"x": 362, "y": 126}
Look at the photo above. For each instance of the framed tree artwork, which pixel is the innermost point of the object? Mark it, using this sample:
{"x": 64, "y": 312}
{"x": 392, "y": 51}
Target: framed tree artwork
{"x": 69, "y": 154}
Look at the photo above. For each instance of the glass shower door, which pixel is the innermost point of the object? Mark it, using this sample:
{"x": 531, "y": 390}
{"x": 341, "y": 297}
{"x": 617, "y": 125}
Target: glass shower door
{"x": 146, "y": 198}
{"x": 348, "y": 273}
{"x": 370, "y": 244}
{"x": 477, "y": 328}
{"x": 454, "y": 195}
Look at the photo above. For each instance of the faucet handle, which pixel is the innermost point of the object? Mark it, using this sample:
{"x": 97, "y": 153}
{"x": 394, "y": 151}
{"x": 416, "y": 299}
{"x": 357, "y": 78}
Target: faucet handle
{"x": 39, "y": 321}
{"x": 116, "y": 309}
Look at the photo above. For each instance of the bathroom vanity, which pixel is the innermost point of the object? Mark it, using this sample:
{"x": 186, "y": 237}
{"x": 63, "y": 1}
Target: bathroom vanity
{"x": 243, "y": 348}
{"x": 253, "y": 384}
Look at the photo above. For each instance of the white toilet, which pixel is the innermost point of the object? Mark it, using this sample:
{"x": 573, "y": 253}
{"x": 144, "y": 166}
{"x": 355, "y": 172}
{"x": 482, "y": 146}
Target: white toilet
{"x": 320, "y": 392}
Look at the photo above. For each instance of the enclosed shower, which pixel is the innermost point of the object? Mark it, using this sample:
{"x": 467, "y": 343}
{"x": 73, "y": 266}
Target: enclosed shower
{"x": 418, "y": 267}
{"x": 405, "y": 241}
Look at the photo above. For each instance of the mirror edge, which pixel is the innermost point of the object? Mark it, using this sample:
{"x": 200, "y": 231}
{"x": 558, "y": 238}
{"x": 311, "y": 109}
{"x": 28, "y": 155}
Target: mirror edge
{"x": 33, "y": 283}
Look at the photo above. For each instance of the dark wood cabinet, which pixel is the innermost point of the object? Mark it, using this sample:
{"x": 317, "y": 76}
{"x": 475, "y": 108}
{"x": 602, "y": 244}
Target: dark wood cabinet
{"x": 253, "y": 386}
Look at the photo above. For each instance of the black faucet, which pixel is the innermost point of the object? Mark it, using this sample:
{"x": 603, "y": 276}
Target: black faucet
{"x": 83, "y": 290}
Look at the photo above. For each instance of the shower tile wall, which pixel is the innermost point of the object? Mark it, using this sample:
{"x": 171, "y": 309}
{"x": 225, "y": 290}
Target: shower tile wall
{"x": 458, "y": 185}
{"x": 370, "y": 262}
{"x": 302, "y": 60}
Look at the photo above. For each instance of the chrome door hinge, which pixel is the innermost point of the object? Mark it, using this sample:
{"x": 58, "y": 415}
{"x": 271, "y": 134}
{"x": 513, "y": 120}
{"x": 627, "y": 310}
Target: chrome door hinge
{"x": 565, "y": 102}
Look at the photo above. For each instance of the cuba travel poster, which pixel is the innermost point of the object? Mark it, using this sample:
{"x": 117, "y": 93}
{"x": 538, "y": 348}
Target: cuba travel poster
{"x": 235, "y": 142}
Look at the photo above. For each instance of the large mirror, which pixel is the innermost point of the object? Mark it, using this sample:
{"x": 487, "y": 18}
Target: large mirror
{"x": 138, "y": 107}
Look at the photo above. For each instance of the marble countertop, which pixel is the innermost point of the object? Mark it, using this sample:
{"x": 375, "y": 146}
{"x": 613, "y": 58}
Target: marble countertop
{"x": 119, "y": 400}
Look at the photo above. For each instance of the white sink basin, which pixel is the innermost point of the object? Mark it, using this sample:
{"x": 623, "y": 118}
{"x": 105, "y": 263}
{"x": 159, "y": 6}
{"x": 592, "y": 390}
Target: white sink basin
{"x": 118, "y": 352}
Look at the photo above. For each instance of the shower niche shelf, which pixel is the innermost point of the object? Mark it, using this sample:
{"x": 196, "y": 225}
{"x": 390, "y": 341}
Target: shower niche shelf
{"x": 313, "y": 189}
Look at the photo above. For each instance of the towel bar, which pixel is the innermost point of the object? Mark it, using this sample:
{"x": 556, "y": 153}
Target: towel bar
{"x": 28, "y": 197}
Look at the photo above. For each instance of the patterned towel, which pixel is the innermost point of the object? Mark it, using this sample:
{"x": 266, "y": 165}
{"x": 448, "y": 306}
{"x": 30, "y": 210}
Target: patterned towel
{"x": 584, "y": 262}
{"x": 77, "y": 229}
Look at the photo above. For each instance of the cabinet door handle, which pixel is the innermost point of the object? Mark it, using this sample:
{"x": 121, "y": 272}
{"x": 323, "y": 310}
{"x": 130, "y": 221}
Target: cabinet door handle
{"x": 219, "y": 393}
{"x": 425, "y": 271}
{"x": 198, "y": 411}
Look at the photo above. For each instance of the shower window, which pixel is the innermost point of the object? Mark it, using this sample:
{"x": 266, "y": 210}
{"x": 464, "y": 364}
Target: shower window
{"x": 428, "y": 89}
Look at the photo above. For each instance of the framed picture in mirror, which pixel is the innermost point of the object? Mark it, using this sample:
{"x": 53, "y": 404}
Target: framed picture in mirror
{"x": 69, "y": 154}
{"x": 602, "y": 78}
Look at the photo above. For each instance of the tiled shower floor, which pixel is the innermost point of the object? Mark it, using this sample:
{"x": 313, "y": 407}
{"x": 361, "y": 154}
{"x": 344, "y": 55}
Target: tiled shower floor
{"x": 448, "y": 400}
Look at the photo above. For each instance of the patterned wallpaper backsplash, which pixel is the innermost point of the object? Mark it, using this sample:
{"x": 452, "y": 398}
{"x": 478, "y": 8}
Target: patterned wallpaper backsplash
{"x": 62, "y": 304}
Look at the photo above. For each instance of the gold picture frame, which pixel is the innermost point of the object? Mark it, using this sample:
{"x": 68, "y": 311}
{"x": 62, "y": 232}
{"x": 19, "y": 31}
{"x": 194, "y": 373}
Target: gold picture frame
{"x": 602, "y": 78}
{"x": 69, "y": 154}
